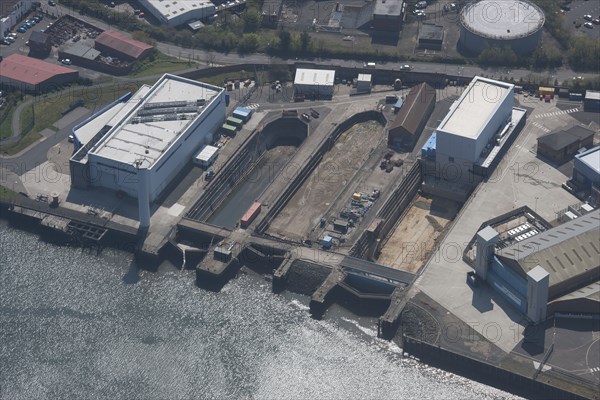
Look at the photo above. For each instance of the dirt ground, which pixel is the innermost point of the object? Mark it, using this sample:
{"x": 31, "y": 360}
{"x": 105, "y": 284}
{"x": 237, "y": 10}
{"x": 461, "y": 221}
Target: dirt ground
{"x": 415, "y": 237}
{"x": 325, "y": 183}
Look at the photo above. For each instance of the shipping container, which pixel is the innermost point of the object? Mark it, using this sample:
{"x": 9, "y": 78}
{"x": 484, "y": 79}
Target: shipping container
{"x": 543, "y": 91}
{"x": 242, "y": 113}
{"x": 575, "y": 96}
{"x": 206, "y": 156}
{"x": 563, "y": 93}
{"x": 249, "y": 216}
{"x": 229, "y": 130}
{"x": 234, "y": 122}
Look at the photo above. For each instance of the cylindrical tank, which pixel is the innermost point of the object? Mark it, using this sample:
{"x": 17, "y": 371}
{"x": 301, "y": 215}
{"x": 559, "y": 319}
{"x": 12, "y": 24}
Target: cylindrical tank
{"x": 490, "y": 23}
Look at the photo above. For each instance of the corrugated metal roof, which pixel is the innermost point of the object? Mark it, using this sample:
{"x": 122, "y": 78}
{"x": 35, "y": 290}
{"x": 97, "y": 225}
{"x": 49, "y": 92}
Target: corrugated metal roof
{"x": 122, "y": 43}
{"x": 320, "y": 77}
{"x": 562, "y": 139}
{"x": 414, "y": 109}
{"x": 82, "y": 50}
{"x": 592, "y": 95}
{"x": 30, "y": 70}
{"x": 564, "y": 251}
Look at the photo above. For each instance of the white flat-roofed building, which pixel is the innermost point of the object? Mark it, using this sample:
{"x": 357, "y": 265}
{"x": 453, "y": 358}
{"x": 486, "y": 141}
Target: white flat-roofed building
{"x": 179, "y": 12}
{"x": 363, "y": 83}
{"x": 159, "y": 129}
{"x": 314, "y": 82}
{"x": 482, "y": 112}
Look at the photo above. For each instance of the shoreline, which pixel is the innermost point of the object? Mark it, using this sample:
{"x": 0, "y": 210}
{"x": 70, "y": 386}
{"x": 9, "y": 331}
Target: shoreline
{"x": 304, "y": 279}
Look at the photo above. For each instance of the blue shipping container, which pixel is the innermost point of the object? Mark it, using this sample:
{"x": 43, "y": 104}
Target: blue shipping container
{"x": 575, "y": 96}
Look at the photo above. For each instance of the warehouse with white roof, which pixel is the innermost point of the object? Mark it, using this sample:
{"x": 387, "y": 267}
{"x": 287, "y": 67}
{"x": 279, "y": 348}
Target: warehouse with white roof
{"x": 482, "y": 113}
{"x": 314, "y": 83}
{"x": 137, "y": 145}
{"x": 177, "y": 12}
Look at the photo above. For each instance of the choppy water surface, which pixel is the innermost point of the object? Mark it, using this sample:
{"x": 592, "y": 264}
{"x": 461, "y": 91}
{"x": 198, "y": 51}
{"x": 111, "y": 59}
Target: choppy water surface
{"x": 72, "y": 325}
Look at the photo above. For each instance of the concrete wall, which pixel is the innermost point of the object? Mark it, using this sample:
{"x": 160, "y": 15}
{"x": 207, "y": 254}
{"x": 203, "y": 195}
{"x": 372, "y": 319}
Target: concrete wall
{"x": 482, "y": 371}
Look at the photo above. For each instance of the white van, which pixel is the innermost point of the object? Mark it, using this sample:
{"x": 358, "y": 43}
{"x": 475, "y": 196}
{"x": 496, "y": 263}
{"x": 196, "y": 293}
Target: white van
{"x": 370, "y": 65}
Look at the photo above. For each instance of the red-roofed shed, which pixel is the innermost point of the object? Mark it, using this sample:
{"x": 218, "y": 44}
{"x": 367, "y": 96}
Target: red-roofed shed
{"x": 122, "y": 46}
{"x": 33, "y": 75}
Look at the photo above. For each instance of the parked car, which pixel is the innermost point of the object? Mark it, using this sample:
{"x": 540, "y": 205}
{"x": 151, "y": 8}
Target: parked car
{"x": 596, "y": 21}
{"x": 421, "y": 5}
{"x": 588, "y": 25}
{"x": 10, "y": 39}
{"x": 66, "y": 61}
{"x": 21, "y": 29}
{"x": 71, "y": 139}
{"x": 5, "y": 42}
{"x": 588, "y": 17}
{"x": 12, "y": 35}
{"x": 419, "y": 14}
{"x": 51, "y": 3}
{"x": 405, "y": 67}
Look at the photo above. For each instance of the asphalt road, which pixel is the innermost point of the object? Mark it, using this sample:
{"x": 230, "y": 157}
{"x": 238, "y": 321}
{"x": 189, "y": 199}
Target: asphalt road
{"x": 233, "y": 58}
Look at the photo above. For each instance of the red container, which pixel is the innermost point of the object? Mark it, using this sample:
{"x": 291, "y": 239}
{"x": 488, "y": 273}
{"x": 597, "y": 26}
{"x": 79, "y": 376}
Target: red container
{"x": 249, "y": 216}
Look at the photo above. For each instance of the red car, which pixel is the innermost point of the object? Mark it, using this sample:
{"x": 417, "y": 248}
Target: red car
{"x": 596, "y": 21}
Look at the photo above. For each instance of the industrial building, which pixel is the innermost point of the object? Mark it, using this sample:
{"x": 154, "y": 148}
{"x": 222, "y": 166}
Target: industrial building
{"x": 586, "y": 172}
{"x": 33, "y": 75}
{"x": 488, "y": 23}
{"x": 175, "y": 13}
{"x": 119, "y": 45}
{"x": 431, "y": 36}
{"x": 474, "y": 125}
{"x": 363, "y": 83}
{"x": 412, "y": 116}
{"x": 12, "y": 12}
{"x": 562, "y": 146}
{"x": 139, "y": 144}
{"x": 388, "y": 15}
{"x": 529, "y": 266}
{"x": 39, "y": 43}
{"x": 78, "y": 52}
{"x": 591, "y": 101}
{"x": 314, "y": 83}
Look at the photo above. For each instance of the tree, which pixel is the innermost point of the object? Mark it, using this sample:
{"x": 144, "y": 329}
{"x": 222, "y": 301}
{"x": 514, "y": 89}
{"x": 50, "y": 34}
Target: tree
{"x": 249, "y": 43}
{"x": 285, "y": 40}
{"x": 304, "y": 41}
{"x": 252, "y": 20}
